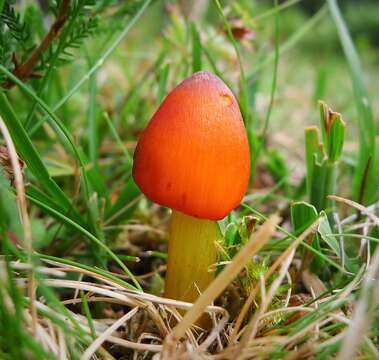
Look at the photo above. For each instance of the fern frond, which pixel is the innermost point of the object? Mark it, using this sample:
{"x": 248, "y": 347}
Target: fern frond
{"x": 12, "y": 20}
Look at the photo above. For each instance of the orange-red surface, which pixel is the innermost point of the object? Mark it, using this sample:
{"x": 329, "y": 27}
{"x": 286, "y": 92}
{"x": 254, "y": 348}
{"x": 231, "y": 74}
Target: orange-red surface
{"x": 194, "y": 154}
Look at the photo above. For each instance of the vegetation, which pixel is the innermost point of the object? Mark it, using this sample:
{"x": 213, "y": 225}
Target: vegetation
{"x": 83, "y": 253}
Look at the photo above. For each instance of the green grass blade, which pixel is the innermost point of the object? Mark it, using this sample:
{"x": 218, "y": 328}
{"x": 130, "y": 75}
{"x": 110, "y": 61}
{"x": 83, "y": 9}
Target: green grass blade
{"x": 293, "y": 237}
{"x": 93, "y": 142}
{"x": 244, "y": 102}
{"x": 312, "y": 149}
{"x": 47, "y": 77}
{"x": 290, "y": 42}
{"x": 87, "y": 313}
{"x": 302, "y": 215}
{"x": 162, "y": 89}
{"x": 125, "y": 203}
{"x": 71, "y": 212}
{"x": 87, "y": 268}
{"x": 274, "y": 73}
{"x": 366, "y": 122}
{"x": 59, "y": 127}
{"x": 128, "y": 157}
{"x": 336, "y": 139}
{"x": 89, "y": 236}
{"x": 29, "y": 153}
{"x": 196, "y": 49}
{"x": 323, "y": 229}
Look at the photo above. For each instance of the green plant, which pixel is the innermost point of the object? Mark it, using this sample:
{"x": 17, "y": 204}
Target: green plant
{"x": 322, "y": 157}
{"x": 83, "y": 254}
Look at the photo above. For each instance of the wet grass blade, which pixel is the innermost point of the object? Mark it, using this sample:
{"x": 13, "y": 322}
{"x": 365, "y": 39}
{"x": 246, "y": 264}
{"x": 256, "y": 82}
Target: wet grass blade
{"x": 162, "y": 89}
{"x": 366, "y": 122}
{"x": 196, "y": 49}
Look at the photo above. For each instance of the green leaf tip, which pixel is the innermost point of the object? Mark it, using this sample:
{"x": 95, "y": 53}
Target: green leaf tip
{"x": 333, "y": 131}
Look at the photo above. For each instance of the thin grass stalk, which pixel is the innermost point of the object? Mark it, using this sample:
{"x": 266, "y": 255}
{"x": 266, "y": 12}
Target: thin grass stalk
{"x": 244, "y": 103}
{"x": 21, "y": 199}
{"x": 103, "y": 337}
{"x": 367, "y": 129}
{"x": 363, "y": 313}
{"x": 364, "y": 210}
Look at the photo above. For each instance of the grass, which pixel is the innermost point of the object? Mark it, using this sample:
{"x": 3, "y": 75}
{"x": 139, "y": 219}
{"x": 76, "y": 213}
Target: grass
{"x": 83, "y": 252}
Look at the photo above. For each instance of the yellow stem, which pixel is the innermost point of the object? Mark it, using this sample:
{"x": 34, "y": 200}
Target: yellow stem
{"x": 191, "y": 252}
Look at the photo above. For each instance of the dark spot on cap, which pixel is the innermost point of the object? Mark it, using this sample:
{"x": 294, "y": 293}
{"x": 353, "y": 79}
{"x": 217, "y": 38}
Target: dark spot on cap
{"x": 168, "y": 186}
{"x": 226, "y": 99}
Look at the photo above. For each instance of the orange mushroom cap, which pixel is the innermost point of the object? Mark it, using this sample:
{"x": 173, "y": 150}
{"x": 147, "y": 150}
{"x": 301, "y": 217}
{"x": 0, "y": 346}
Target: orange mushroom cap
{"x": 194, "y": 155}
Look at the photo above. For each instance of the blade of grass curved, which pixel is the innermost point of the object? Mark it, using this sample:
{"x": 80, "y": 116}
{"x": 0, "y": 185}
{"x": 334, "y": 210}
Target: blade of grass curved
{"x": 90, "y": 236}
{"x": 56, "y": 124}
{"x": 87, "y": 268}
{"x": 29, "y": 153}
{"x": 72, "y": 213}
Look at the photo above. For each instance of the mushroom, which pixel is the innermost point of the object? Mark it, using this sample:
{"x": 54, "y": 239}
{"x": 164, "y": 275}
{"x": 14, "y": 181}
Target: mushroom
{"x": 194, "y": 158}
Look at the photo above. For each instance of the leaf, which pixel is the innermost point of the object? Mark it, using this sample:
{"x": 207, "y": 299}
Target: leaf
{"x": 302, "y": 216}
{"x": 62, "y": 132}
{"x": 367, "y": 128}
{"x": 319, "y": 191}
{"x": 93, "y": 131}
{"x": 29, "y": 153}
{"x": 98, "y": 63}
{"x": 333, "y": 132}
{"x": 313, "y": 149}
{"x": 231, "y": 235}
{"x": 42, "y": 197}
{"x": 196, "y": 49}
{"x": 246, "y": 228}
{"x": 325, "y": 232}
{"x": 9, "y": 212}
{"x": 162, "y": 89}
{"x": 336, "y": 139}
{"x": 125, "y": 204}
{"x": 324, "y": 120}
{"x": 277, "y": 165}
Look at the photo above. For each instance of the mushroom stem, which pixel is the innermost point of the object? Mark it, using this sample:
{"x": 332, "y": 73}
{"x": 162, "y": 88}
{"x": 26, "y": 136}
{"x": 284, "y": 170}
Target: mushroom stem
{"x": 191, "y": 252}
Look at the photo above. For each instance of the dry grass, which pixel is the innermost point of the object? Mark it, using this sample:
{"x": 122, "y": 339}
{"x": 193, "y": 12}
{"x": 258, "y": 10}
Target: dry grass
{"x": 228, "y": 338}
